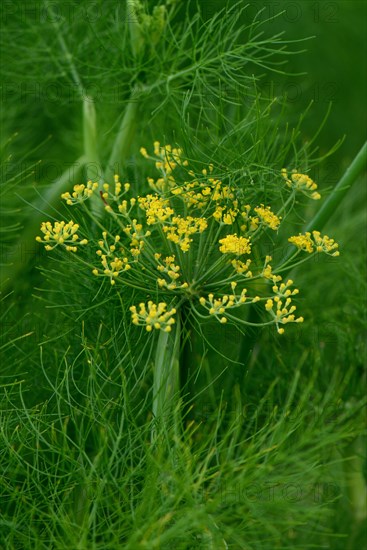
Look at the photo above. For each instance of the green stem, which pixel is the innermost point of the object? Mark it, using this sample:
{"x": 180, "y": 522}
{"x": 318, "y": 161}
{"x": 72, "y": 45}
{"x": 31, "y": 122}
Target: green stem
{"x": 93, "y": 166}
{"x": 123, "y": 140}
{"x": 64, "y": 48}
{"x": 339, "y": 192}
{"x": 355, "y": 481}
{"x": 90, "y": 139}
{"x": 27, "y": 247}
{"x": 136, "y": 34}
{"x": 187, "y": 389}
{"x": 166, "y": 383}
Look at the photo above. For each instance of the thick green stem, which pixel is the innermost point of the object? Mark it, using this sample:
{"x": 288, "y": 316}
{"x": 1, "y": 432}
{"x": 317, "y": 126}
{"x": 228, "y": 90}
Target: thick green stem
{"x": 42, "y": 208}
{"x": 90, "y": 140}
{"x": 355, "y": 481}
{"x": 93, "y": 167}
{"x": 166, "y": 383}
{"x": 136, "y": 33}
{"x": 120, "y": 150}
{"x": 339, "y": 192}
{"x": 123, "y": 140}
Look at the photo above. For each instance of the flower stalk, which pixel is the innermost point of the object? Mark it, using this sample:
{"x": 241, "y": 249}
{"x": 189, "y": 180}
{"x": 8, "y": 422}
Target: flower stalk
{"x": 124, "y": 138}
{"x": 166, "y": 385}
{"x": 93, "y": 166}
{"x": 355, "y": 481}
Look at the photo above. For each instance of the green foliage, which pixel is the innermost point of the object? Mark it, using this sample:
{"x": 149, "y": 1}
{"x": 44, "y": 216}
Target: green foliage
{"x": 270, "y": 454}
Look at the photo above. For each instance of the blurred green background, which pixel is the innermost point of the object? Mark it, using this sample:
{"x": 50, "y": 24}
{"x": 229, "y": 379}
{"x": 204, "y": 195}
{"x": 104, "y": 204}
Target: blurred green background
{"x": 334, "y": 61}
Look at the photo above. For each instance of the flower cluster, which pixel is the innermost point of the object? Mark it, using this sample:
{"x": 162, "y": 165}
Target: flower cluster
{"x": 167, "y": 159}
{"x": 231, "y": 244}
{"x": 181, "y": 229}
{"x": 113, "y": 264}
{"x": 186, "y": 240}
{"x": 280, "y": 306}
{"x": 117, "y": 189}
{"x": 61, "y": 233}
{"x": 168, "y": 267}
{"x": 225, "y": 215}
{"x": 199, "y": 194}
{"x": 153, "y": 316}
{"x": 315, "y": 243}
{"x": 218, "y": 306}
{"x": 241, "y": 267}
{"x": 301, "y": 182}
{"x": 80, "y": 193}
{"x": 267, "y": 217}
{"x": 267, "y": 272}
{"x": 157, "y": 209}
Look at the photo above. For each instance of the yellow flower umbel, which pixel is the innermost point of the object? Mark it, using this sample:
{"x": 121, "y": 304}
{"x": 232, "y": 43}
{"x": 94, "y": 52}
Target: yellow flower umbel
{"x": 153, "y": 316}
{"x": 188, "y": 240}
{"x": 267, "y": 217}
{"x": 181, "y": 229}
{"x": 137, "y": 236}
{"x": 325, "y": 244}
{"x": 242, "y": 267}
{"x": 199, "y": 194}
{"x": 80, "y": 193}
{"x": 157, "y": 210}
{"x": 61, "y": 233}
{"x": 218, "y": 306}
{"x": 303, "y": 242}
{"x": 301, "y": 182}
{"x": 280, "y": 305}
{"x": 115, "y": 192}
{"x": 172, "y": 270}
{"x": 113, "y": 258}
{"x": 267, "y": 272}
{"x": 167, "y": 159}
{"x": 232, "y": 244}
{"x": 315, "y": 243}
{"x": 225, "y": 215}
